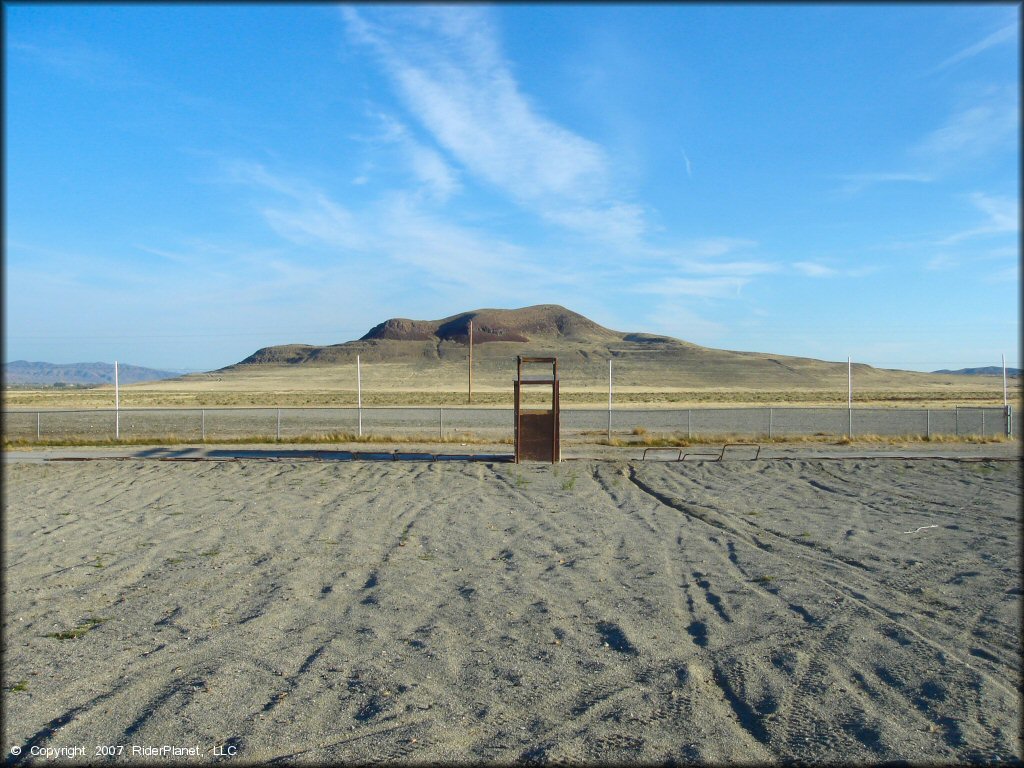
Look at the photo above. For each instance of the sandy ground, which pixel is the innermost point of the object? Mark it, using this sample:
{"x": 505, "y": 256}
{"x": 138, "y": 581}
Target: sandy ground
{"x": 796, "y": 608}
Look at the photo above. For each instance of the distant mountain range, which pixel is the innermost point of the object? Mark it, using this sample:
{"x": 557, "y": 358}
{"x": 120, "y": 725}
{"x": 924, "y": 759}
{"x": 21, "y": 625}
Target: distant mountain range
{"x": 988, "y": 370}
{"x": 23, "y": 372}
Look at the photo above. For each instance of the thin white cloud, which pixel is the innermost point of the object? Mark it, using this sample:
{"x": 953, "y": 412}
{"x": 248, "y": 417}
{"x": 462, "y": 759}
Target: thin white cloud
{"x": 395, "y": 233}
{"x": 677, "y": 319}
{"x": 704, "y": 257}
{"x": 75, "y": 59}
{"x": 817, "y": 269}
{"x": 941, "y": 262}
{"x": 857, "y": 182}
{"x": 438, "y": 179}
{"x": 617, "y": 223}
{"x": 449, "y": 71}
{"x": 738, "y": 268}
{"x": 711, "y": 247}
{"x": 1003, "y": 216}
{"x": 1006, "y": 276}
{"x": 431, "y": 169}
{"x": 990, "y": 124}
{"x": 1005, "y": 35}
{"x": 705, "y": 288}
{"x": 813, "y": 269}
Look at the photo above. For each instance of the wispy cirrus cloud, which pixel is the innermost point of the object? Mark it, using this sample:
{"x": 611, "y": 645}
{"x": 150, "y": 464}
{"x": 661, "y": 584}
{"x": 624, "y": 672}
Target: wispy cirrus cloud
{"x": 707, "y": 257}
{"x": 395, "y": 232}
{"x": 1002, "y": 218}
{"x": 438, "y": 180}
{"x": 990, "y": 123}
{"x": 1003, "y": 35}
{"x": 817, "y": 269}
{"x": 857, "y": 182}
{"x": 447, "y": 67}
{"x": 720, "y": 287}
{"x": 75, "y": 59}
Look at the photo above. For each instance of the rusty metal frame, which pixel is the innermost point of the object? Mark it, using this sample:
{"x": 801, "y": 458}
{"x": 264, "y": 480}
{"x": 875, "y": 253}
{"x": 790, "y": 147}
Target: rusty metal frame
{"x": 556, "y": 449}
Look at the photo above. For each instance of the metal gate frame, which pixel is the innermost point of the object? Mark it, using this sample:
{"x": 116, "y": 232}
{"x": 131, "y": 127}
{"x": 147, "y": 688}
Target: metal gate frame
{"x": 532, "y": 425}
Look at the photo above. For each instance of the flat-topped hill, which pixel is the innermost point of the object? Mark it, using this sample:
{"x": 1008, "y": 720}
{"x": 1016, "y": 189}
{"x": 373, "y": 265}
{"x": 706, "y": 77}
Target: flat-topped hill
{"x": 433, "y": 354}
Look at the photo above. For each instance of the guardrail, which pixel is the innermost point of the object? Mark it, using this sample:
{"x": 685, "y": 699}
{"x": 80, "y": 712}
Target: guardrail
{"x": 450, "y": 424}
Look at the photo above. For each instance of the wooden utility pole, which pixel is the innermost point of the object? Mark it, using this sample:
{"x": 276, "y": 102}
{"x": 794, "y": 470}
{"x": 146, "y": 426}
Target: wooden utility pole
{"x": 470, "y": 361}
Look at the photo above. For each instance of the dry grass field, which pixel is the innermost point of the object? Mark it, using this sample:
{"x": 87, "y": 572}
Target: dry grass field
{"x": 317, "y": 387}
{"x": 861, "y": 610}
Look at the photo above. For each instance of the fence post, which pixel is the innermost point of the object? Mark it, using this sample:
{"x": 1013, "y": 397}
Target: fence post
{"x": 359, "y": 394}
{"x": 928, "y": 423}
{"x": 850, "y": 427}
{"x": 1009, "y": 421}
{"x": 203, "y": 423}
{"x": 37, "y": 424}
{"x": 279, "y": 424}
{"x": 770, "y": 413}
{"x": 983, "y": 423}
{"x": 688, "y": 433}
{"x": 956, "y": 416}
{"x": 440, "y": 424}
{"x": 609, "y": 400}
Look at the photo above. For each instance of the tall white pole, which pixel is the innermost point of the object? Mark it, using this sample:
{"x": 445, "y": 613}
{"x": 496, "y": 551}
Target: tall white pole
{"x": 609, "y": 399}
{"x": 849, "y": 382}
{"x": 1004, "y": 380}
{"x": 117, "y": 405}
{"x": 849, "y": 395}
{"x": 359, "y": 394}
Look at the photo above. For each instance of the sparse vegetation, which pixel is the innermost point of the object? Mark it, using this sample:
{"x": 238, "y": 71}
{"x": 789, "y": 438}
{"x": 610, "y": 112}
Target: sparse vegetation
{"x": 313, "y": 439}
{"x": 83, "y": 627}
{"x": 286, "y": 390}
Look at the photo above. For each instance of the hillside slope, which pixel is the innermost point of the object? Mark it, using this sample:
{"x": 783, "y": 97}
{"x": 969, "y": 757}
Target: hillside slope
{"x": 433, "y": 353}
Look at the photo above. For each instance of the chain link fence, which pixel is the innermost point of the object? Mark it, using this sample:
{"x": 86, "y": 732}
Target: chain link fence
{"x": 496, "y": 424}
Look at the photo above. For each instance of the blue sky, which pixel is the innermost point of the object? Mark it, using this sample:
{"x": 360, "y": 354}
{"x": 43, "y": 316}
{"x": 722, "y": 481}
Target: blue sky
{"x": 186, "y": 184}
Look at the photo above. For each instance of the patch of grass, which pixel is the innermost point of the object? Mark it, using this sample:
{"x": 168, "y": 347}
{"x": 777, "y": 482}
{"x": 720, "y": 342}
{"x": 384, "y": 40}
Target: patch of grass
{"x": 174, "y": 560}
{"x": 210, "y": 553}
{"x": 569, "y": 483}
{"x": 678, "y": 441}
{"x": 19, "y": 687}
{"x": 87, "y": 625}
{"x": 640, "y": 431}
{"x": 764, "y": 579}
{"x": 521, "y": 481}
